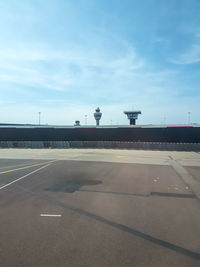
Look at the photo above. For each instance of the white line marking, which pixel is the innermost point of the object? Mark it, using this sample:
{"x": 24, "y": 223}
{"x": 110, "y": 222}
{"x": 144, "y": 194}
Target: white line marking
{"x": 24, "y": 176}
{"x": 50, "y": 215}
{"x": 26, "y": 167}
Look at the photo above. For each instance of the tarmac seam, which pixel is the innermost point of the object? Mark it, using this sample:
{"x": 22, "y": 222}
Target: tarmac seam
{"x": 151, "y": 194}
{"x": 186, "y": 176}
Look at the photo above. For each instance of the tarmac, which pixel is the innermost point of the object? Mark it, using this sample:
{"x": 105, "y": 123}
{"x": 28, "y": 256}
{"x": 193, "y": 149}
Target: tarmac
{"x": 98, "y": 207}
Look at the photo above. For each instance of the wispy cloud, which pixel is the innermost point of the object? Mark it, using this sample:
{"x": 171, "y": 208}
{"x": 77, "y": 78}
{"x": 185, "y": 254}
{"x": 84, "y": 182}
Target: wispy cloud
{"x": 59, "y": 70}
{"x": 191, "y": 56}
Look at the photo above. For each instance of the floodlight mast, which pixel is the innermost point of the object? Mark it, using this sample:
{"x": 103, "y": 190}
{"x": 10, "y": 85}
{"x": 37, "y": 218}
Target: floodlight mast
{"x": 97, "y": 116}
{"x": 132, "y": 116}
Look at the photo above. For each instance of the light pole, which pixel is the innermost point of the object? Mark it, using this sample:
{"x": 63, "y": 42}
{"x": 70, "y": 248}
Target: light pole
{"x": 164, "y": 119}
{"x": 189, "y": 117}
{"x": 39, "y": 116}
{"x": 85, "y": 119}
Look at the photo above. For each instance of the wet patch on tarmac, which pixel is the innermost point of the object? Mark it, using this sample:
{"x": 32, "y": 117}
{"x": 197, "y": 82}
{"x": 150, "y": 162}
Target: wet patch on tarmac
{"x": 70, "y": 186}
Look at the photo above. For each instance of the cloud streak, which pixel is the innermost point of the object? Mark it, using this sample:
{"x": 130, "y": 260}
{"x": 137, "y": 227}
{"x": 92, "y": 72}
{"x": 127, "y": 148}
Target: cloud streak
{"x": 191, "y": 56}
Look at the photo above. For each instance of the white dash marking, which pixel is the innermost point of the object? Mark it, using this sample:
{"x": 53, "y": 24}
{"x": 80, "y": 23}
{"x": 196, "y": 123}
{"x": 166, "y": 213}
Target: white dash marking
{"x": 50, "y": 215}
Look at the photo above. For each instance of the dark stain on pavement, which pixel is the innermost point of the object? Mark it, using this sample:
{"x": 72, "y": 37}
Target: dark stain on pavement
{"x": 70, "y": 186}
{"x": 179, "y": 195}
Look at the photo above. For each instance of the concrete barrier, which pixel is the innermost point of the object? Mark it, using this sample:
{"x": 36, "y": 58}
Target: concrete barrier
{"x": 102, "y": 144}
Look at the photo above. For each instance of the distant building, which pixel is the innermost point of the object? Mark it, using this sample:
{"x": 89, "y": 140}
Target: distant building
{"x": 77, "y": 123}
{"x": 132, "y": 116}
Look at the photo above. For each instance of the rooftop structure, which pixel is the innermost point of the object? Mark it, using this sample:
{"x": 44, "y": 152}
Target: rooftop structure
{"x": 132, "y": 116}
{"x": 77, "y": 123}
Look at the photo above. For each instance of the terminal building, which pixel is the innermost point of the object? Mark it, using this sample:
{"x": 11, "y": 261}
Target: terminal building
{"x": 185, "y": 133}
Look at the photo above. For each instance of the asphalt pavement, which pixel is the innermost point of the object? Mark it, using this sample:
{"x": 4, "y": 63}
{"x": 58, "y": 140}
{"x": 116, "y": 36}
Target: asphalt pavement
{"x": 55, "y": 211}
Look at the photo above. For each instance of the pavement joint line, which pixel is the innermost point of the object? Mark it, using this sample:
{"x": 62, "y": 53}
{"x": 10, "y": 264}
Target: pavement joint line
{"x": 151, "y": 194}
{"x": 114, "y": 192}
{"x": 193, "y": 184}
{"x": 22, "y": 177}
{"x": 26, "y": 167}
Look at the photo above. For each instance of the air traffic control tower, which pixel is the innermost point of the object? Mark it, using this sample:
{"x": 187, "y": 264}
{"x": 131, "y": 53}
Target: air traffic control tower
{"x": 97, "y": 116}
{"x": 132, "y": 116}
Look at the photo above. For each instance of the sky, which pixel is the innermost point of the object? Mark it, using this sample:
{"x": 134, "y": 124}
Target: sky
{"x": 64, "y": 58}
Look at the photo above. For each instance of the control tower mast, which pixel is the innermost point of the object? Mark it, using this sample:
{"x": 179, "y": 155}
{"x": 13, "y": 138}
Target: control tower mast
{"x": 132, "y": 116}
{"x": 97, "y": 116}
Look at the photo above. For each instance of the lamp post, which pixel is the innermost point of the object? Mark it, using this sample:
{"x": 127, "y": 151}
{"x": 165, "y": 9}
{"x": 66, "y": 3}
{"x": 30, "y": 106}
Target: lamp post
{"x": 189, "y": 117}
{"x": 39, "y": 113}
{"x": 85, "y": 119}
{"x": 164, "y": 119}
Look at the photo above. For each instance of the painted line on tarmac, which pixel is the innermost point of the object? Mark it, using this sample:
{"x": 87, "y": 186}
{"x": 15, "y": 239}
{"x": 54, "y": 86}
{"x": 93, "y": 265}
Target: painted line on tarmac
{"x": 2, "y": 169}
{"x": 50, "y": 215}
{"x": 30, "y": 173}
{"x": 119, "y": 156}
{"x": 26, "y": 167}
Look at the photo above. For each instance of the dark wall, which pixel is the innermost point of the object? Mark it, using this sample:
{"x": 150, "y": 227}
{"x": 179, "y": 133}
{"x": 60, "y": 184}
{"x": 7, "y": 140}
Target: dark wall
{"x": 174, "y": 135}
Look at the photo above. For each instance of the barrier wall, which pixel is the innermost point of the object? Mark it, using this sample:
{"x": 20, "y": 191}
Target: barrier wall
{"x": 164, "y": 135}
{"x": 102, "y": 144}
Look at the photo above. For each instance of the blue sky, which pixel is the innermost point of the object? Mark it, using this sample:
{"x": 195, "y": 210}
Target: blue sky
{"x": 64, "y": 58}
